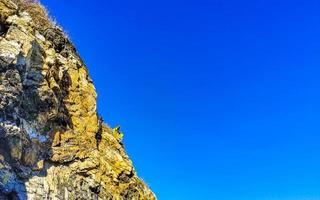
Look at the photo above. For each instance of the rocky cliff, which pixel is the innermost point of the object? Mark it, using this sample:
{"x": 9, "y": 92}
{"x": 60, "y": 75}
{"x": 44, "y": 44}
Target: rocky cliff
{"x": 53, "y": 145}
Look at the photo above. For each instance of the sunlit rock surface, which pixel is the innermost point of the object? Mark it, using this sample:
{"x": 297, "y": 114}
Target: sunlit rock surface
{"x": 53, "y": 145}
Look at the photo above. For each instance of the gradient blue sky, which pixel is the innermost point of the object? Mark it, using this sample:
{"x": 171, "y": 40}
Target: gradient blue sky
{"x": 217, "y": 99}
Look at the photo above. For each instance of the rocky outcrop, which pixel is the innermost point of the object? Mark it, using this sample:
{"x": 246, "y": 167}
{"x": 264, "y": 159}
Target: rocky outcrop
{"x": 53, "y": 145}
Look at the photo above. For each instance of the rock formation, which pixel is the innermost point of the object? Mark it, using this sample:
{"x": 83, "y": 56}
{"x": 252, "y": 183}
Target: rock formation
{"x": 53, "y": 145}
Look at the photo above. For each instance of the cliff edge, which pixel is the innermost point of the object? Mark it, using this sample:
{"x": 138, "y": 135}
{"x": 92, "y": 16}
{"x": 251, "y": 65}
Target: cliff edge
{"x": 53, "y": 145}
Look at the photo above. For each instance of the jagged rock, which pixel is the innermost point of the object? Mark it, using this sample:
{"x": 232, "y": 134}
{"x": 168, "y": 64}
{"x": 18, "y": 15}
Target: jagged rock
{"x": 53, "y": 145}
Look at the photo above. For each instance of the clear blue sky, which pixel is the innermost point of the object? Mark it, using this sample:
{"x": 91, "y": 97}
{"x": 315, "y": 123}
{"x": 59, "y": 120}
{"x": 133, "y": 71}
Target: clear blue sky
{"x": 218, "y": 99}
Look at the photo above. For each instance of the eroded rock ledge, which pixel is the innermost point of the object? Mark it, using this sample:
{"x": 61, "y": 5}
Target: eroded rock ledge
{"x": 53, "y": 145}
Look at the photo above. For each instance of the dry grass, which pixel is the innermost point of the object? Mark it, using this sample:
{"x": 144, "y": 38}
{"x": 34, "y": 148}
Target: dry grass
{"x": 37, "y": 12}
{"x": 17, "y": 2}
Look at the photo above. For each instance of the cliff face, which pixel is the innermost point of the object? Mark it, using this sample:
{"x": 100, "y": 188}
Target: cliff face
{"x": 53, "y": 145}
